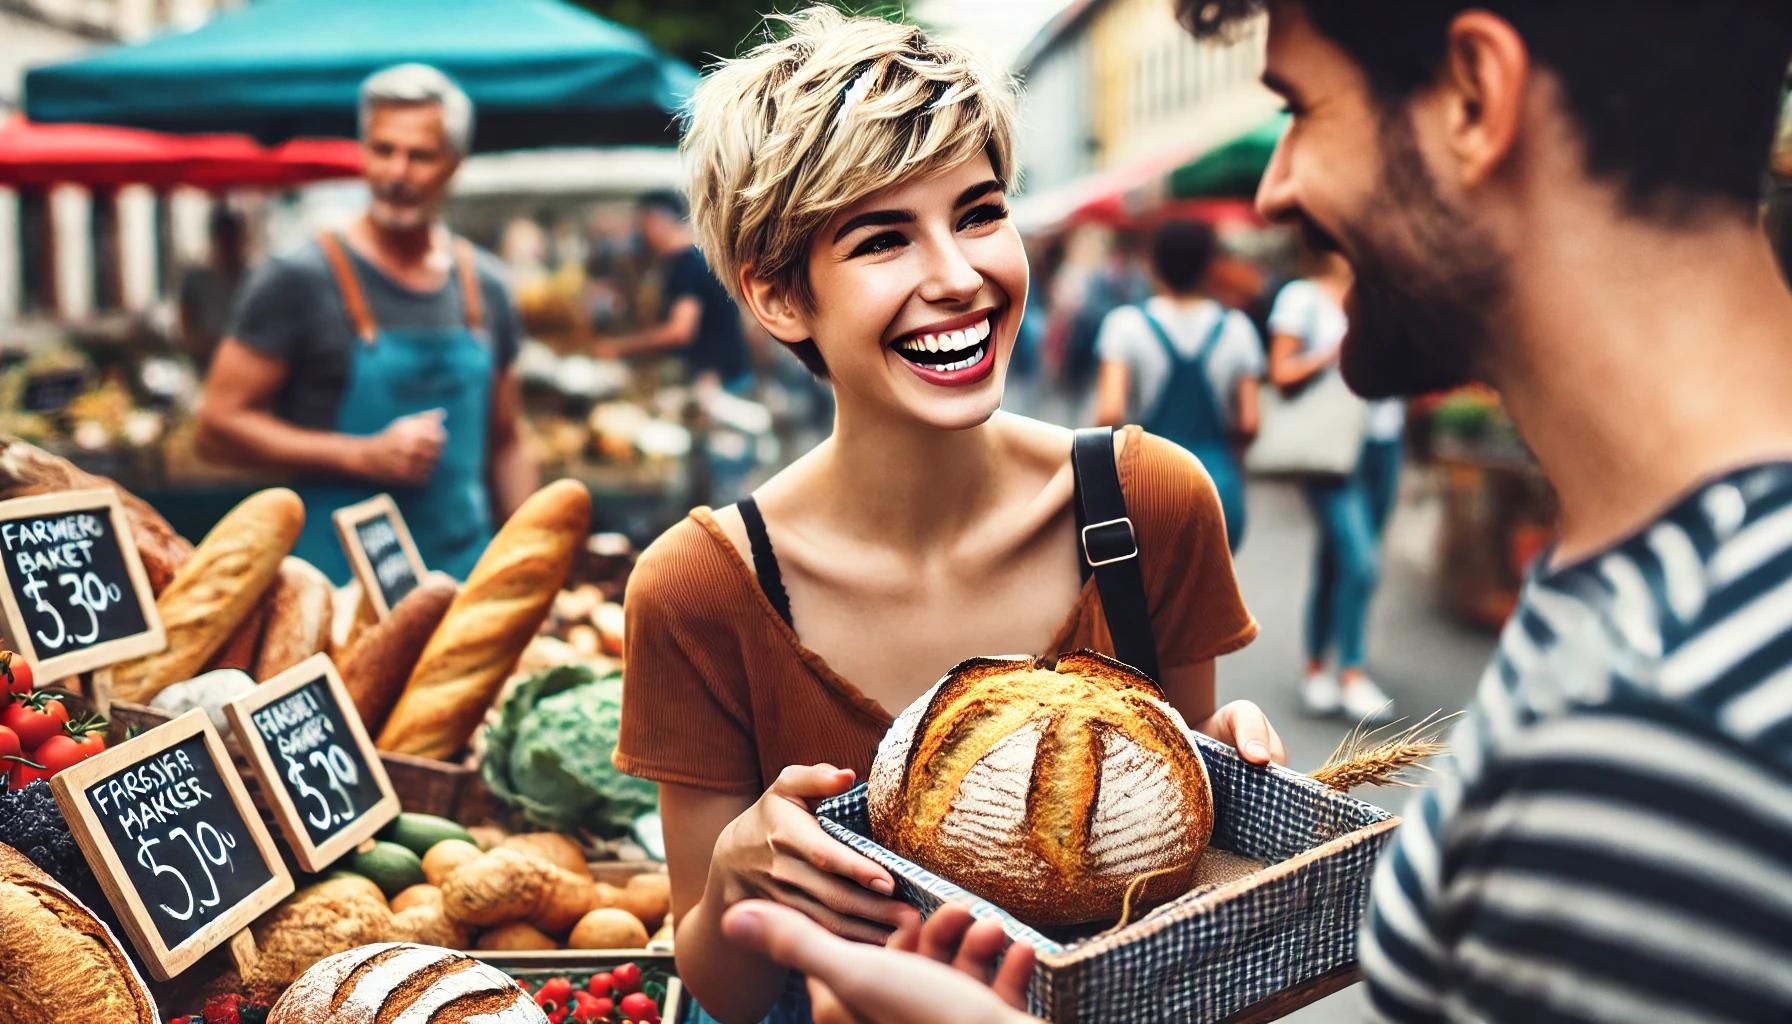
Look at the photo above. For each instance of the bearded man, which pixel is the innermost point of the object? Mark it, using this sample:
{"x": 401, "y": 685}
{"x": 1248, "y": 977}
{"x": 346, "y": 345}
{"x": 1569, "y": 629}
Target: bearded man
{"x": 378, "y": 358}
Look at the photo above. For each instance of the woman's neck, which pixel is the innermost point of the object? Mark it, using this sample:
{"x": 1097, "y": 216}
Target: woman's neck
{"x": 899, "y": 482}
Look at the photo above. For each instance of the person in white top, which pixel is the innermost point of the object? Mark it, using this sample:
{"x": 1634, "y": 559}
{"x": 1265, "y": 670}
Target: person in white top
{"x": 1183, "y": 366}
{"x": 1307, "y": 326}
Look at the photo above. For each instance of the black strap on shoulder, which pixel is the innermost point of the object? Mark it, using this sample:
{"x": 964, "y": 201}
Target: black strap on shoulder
{"x": 765, "y": 560}
{"x": 1109, "y": 548}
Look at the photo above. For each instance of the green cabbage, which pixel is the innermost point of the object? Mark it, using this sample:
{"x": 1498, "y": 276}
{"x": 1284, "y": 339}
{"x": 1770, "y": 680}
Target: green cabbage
{"x": 549, "y": 754}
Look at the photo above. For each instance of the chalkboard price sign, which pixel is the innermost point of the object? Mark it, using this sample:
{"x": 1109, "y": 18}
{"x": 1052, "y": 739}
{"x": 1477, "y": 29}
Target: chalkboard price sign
{"x": 169, "y": 831}
{"x": 380, "y": 550}
{"x": 308, "y": 747}
{"x": 75, "y": 596}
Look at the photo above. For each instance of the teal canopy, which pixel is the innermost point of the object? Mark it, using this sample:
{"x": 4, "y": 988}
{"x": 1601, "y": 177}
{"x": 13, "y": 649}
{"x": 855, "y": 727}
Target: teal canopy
{"x": 1233, "y": 170}
{"x": 539, "y": 72}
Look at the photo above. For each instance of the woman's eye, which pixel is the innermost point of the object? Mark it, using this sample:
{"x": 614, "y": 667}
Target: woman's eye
{"x": 988, "y": 213}
{"x": 878, "y": 243}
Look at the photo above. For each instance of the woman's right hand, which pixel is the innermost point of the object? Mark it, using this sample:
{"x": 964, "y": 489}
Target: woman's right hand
{"x": 776, "y": 850}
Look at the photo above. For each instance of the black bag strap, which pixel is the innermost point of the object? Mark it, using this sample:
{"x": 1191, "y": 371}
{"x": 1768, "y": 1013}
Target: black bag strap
{"x": 1109, "y": 548}
{"x": 765, "y": 560}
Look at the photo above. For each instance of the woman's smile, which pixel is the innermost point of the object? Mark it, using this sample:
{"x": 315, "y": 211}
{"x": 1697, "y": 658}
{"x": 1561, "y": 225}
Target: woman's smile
{"x": 951, "y": 353}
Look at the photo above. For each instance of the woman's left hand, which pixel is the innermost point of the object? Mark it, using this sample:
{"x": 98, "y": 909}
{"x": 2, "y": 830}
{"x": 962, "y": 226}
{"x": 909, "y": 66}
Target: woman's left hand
{"x": 1245, "y": 726}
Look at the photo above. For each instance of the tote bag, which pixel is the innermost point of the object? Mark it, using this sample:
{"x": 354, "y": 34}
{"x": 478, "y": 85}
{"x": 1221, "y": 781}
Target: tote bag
{"x": 1317, "y": 431}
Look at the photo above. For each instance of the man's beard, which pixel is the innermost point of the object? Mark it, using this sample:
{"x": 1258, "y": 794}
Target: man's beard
{"x": 1428, "y": 282}
{"x": 398, "y": 207}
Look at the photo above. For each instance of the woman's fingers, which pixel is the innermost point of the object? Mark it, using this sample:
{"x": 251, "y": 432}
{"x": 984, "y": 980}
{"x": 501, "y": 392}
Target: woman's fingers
{"x": 1245, "y": 726}
{"x": 810, "y": 783}
{"x": 846, "y": 926}
{"x": 796, "y": 834}
{"x": 842, "y": 895}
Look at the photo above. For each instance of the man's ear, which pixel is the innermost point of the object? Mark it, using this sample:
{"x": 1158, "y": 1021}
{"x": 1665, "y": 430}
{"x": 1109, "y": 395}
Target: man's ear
{"x": 1485, "y": 88}
{"x": 774, "y": 310}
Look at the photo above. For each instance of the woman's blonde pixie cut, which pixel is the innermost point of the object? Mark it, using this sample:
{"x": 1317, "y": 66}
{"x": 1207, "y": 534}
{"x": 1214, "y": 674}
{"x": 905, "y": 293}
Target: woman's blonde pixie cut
{"x": 780, "y": 140}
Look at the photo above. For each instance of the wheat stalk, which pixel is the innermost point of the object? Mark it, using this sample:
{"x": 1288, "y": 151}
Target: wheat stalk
{"x": 1363, "y": 760}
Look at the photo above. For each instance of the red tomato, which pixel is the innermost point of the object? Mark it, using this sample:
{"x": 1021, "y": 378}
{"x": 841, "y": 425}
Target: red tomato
{"x": 600, "y": 1009}
{"x": 63, "y": 751}
{"x": 638, "y": 1006}
{"x": 628, "y": 977}
{"x": 24, "y": 773}
{"x": 16, "y": 673}
{"x": 601, "y": 984}
{"x": 9, "y": 744}
{"x": 554, "y": 990}
{"x": 35, "y": 721}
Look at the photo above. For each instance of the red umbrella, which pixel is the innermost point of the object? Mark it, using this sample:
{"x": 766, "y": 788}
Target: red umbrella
{"x": 41, "y": 155}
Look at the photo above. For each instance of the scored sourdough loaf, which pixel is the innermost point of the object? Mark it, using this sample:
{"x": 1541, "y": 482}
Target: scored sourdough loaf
{"x": 58, "y": 962}
{"x": 215, "y": 590}
{"x": 493, "y": 618}
{"x": 375, "y": 667}
{"x": 1047, "y": 791}
{"x": 399, "y": 981}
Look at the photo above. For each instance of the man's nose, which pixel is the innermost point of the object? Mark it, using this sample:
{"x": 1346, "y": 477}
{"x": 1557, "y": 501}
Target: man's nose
{"x": 1276, "y": 199}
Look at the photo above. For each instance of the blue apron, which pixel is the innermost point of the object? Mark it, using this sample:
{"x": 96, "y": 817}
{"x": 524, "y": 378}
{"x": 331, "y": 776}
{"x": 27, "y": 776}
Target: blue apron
{"x": 1188, "y": 413}
{"x": 399, "y": 372}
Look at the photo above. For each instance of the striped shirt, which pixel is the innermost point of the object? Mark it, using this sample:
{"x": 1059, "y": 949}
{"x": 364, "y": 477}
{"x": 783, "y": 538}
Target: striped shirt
{"x": 1612, "y": 839}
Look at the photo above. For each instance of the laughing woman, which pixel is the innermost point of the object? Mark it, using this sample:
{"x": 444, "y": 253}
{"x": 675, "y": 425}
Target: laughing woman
{"x": 849, "y": 183}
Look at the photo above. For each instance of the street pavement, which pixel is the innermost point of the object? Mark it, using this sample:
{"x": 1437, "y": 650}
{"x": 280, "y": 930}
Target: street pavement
{"x": 1424, "y": 659}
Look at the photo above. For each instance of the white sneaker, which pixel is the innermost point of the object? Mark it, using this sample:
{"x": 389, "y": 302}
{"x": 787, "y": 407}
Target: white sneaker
{"x": 1320, "y": 695}
{"x": 1362, "y": 701}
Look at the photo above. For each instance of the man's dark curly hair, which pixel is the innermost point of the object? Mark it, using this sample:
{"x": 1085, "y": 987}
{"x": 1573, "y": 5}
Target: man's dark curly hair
{"x": 1678, "y": 99}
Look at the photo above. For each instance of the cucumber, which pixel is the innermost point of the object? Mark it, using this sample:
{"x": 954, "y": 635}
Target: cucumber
{"x": 392, "y": 867}
{"x": 418, "y": 832}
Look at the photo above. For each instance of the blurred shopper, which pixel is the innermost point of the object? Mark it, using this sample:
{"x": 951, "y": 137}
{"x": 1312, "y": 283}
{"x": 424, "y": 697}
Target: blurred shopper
{"x": 1308, "y": 324}
{"x": 208, "y": 292}
{"x": 1183, "y": 366}
{"x": 378, "y": 358}
{"x": 698, "y": 321}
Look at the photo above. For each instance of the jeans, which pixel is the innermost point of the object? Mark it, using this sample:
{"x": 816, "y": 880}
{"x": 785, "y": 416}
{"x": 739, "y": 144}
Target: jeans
{"x": 1351, "y": 514}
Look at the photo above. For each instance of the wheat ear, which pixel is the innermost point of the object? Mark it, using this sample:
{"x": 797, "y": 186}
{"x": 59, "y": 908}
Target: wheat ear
{"x": 1363, "y": 760}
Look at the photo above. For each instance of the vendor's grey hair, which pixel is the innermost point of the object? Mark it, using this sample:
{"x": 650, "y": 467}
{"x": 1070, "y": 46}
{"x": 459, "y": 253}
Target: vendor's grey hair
{"x": 419, "y": 83}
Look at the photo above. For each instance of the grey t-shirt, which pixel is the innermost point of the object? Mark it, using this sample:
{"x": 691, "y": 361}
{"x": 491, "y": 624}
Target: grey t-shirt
{"x": 291, "y": 309}
{"x": 1127, "y": 337}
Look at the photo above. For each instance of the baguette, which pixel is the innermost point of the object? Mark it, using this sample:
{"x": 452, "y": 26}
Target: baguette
{"x": 505, "y": 599}
{"x": 375, "y": 669}
{"x": 26, "y": 470}
{"x": 215, "y": 590}
{"x": 298, "y": 610}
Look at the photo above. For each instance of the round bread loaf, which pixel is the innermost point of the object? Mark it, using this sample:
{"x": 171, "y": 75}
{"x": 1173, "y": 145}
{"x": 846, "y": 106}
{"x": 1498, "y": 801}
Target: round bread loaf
{"x": 1047, "y": 791}
{"x": 398, "y": 981}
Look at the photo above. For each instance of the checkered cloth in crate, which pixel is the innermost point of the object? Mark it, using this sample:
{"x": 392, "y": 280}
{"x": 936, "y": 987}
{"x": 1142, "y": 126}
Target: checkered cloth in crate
{"x": 1208, "y": 954}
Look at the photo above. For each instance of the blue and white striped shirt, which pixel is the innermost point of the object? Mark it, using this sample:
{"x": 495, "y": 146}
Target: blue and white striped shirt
{"x": 1612, "y": 840}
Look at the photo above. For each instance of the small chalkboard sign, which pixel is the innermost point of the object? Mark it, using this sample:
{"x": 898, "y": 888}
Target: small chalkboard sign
{"x": 381, "y": 551}
{"x": 168, "y": 829}
{"x": 72, "y": 588}
{"x": 315, "y": 761}
{"x": 52, "y": 390}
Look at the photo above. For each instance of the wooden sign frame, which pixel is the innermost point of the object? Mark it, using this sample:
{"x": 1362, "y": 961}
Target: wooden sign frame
{"x": 152, "y": 640}
{"x": 347, "y": 518}
{"x": 264, "y": 762}
{"x": 69, "y": 785}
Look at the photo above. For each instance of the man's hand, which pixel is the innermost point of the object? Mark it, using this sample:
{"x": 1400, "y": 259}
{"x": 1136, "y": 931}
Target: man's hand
{"x": 856, "y": 984}
{"x": 406, "y": 451}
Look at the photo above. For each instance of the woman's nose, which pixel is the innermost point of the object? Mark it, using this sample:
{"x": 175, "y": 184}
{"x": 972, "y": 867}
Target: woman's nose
{"x": 950, "y": 276}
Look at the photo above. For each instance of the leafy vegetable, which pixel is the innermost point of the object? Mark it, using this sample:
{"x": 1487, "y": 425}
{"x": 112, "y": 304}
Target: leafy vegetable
{"x": 549, "y": 754}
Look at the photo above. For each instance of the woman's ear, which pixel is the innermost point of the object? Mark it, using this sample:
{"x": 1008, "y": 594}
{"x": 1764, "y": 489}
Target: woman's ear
{"x": 773, "y": 309}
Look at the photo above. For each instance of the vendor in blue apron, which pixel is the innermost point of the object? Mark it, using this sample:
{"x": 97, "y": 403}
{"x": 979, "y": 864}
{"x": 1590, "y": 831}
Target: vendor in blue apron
{"x": 1183, "y": 366}
{"x": 377, "y": 359}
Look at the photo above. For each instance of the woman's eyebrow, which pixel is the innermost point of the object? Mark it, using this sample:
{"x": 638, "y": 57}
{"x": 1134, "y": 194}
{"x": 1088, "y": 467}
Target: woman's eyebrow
{"x": 876, "y": 218}
{"x": 978, "y": 191}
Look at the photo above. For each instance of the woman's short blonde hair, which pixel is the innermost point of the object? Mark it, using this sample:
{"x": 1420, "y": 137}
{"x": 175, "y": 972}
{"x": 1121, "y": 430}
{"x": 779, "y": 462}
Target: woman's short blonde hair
{"x": 780, "y": 140}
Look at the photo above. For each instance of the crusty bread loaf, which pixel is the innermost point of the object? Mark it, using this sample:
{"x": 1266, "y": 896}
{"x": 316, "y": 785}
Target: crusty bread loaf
{"x": 298, "y": 611}
{"x": 393, "y": 981}
{"x": 213, "y": 592}
{"x": 505, "y": 599}
{"x": 375, "y": 667}
{"x": 238, "y": 652}
{"x": 351, "y": 615}
{"x": 1045, "y": 791}
{"x": 26, "y": 470}
{"x": 57, "y": 961}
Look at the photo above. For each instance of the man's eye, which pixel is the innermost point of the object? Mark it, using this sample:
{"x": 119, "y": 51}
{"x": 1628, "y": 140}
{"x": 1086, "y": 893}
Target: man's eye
{"x": 988, "y": 213}
{"x": 878, "y": 243}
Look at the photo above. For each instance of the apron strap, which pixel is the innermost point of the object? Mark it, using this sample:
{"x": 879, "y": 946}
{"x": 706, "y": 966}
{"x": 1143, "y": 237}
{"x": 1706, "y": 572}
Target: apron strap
{"x": 354, "y": 300}
{"x": 469, "y": 283}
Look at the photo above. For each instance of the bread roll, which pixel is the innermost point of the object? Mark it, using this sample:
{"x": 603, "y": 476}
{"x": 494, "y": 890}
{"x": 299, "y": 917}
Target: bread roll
{"x": 608, "y": 928}
{"x": 298, "y": 618}
{"x": 58, "y": 962}
{"x": 316, "y": 922}
{"x": 213, "y": 592}
{"x": 375, "y": 668}
{"x": 504, "y": 601}
{"x": 1045, "y": 791}
{"x": 552, "y": 847}
{"x": 26, "y": 470}
{"x": 517, "y": 935}
{"x": 397, "y": 981}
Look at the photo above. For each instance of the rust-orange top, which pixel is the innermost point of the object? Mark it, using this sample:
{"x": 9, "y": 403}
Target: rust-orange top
{"x": 719, "y": 694}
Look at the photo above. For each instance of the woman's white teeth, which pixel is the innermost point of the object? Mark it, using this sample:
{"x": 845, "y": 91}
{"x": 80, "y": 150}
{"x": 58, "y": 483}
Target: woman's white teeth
{"x": 961, "y": 364}
{"x": 949, "y": 341}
